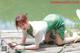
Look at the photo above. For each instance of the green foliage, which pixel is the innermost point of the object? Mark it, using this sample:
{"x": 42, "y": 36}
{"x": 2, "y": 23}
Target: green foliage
{"x": 77, "y": 25}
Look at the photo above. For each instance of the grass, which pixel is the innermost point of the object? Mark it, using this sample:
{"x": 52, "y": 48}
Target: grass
{"x": 36, "y": 9}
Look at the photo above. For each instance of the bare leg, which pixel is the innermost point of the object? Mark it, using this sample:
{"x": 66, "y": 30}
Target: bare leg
{"x": 58, "y": 39}
{"x": 47, "y": 37}
{"x": 70, "y": 39}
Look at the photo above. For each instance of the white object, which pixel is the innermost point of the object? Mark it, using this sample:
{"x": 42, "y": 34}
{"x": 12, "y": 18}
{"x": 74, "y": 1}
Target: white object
{"x": 78, "y": 13}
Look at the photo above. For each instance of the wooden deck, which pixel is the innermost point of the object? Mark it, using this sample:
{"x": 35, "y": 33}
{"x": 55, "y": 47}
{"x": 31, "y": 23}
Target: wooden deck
{"x": 67, "y": 48}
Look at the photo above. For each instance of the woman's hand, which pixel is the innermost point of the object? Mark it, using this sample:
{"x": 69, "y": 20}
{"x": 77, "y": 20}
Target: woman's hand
{"x": 12, "y": 45}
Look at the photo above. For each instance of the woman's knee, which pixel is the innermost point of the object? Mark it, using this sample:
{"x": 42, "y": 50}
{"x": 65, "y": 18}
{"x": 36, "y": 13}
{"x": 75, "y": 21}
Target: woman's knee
{"x": 59, "y": 40}
{"x": 60, "y": 44}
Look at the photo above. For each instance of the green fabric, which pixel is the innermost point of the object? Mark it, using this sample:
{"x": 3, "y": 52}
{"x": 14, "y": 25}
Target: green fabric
{"x": 19, "y": 51}
{"x": 57, "y": 24}
{"x": 30, "y": 31}
{"x": 61, "y": 31}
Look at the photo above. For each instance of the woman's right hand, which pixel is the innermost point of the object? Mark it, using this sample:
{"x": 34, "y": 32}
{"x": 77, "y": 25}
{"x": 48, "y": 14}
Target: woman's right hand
{"x": 12, "y": 45}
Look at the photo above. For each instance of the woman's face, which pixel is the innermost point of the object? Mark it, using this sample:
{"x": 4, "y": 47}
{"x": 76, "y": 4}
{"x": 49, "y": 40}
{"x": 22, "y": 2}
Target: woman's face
{"x": 22, "y": 25}
{"x": 22, "y": 22}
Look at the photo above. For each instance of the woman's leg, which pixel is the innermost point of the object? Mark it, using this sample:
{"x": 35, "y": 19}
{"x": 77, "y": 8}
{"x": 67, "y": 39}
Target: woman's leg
{"x": 71, "y": 39}
{"x": 58, "y": 39}
{"x": 47, "y": 37}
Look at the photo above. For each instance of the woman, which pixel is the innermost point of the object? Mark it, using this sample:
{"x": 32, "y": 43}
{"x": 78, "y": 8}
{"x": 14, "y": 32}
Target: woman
{"x": 51, "y": 28}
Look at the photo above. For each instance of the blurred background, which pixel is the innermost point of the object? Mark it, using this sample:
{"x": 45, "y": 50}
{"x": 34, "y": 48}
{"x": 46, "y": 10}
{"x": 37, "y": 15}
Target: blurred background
{"x": 37, "y": 10}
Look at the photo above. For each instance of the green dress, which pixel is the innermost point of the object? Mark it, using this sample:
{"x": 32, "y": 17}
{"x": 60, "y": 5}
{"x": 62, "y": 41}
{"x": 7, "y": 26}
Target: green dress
{"x": 55, "y": 22}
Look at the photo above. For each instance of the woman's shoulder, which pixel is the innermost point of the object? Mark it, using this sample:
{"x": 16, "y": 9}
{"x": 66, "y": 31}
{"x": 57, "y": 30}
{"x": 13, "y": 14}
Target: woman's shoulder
{"x": 37, "y": 22}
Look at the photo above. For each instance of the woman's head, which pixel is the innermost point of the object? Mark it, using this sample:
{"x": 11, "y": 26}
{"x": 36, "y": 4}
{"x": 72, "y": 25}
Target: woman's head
{"x": 21, "y": 21}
